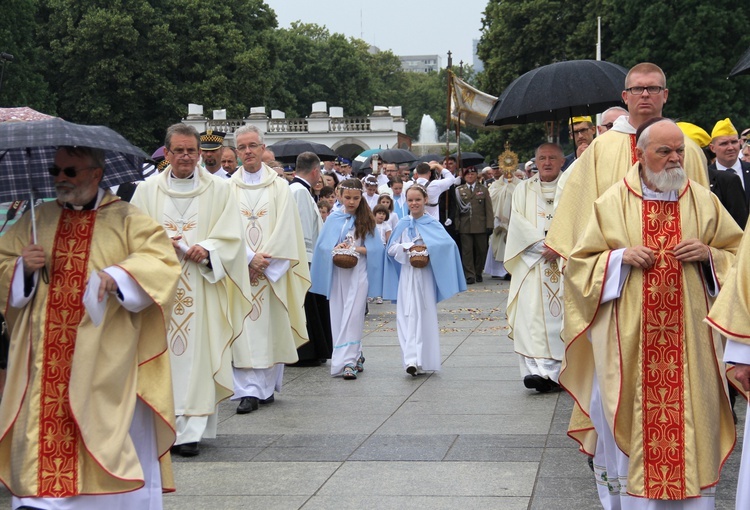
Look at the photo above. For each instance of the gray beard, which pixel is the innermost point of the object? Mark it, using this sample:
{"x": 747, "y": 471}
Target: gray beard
{"x": 669, "y": 179}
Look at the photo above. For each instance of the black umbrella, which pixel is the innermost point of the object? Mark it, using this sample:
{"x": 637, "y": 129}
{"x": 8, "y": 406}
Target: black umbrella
{"x": 468, "y": 159}
{"x": 288, "y": 150}
{"x": 558, "y": 91}
{"x": 743, "y": 65}
{"x": 397, "y": 156}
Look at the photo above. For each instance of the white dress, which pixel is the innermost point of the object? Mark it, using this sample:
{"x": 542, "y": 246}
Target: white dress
{"x": 416, "y": 310}
{"x": 347, "y": 301}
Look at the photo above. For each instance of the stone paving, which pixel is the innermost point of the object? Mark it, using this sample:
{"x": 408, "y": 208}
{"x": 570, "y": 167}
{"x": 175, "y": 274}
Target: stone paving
{"x": 470, "y": 436}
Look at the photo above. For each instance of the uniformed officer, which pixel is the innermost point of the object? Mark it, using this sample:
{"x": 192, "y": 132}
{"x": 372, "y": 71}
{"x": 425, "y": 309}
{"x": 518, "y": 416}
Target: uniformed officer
{"x": 474, "y": 221}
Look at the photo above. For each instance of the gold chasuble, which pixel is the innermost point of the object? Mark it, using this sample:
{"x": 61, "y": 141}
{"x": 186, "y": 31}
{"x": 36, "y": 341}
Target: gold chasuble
{"x": 658, "y": 366}
{"x": 72, "y": 386}
{"x": 731, "y": 311}
{"x": 604, "y": 163}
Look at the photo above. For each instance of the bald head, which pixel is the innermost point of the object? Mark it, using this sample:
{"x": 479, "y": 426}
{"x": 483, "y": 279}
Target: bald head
{"x": 661, "y": 154}
{"x": 609, "y": 117}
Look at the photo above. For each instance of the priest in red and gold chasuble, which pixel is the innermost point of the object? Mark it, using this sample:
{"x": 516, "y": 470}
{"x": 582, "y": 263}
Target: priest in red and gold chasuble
{"x": 658, "y": 368}
{"x": 73, "y": 387}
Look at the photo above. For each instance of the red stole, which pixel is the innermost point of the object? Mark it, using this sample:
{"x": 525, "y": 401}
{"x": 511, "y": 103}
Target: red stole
{"x": 58, "y": 432}
{"x": 662, "y": 355}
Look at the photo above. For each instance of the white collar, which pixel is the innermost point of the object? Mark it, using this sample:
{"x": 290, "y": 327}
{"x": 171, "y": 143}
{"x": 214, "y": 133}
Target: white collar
{"x": 737, "y": 167}
{"x": 623, "y": 125}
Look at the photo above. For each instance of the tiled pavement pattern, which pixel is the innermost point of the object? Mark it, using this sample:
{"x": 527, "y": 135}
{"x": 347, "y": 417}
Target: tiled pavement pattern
{"x": 469, "y": 437}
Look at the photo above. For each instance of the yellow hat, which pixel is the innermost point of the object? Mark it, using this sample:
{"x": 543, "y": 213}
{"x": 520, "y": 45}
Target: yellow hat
{"x": 695, "y": 133}
{"x": 577, "y": 120}
{"x": 723, "y": 128}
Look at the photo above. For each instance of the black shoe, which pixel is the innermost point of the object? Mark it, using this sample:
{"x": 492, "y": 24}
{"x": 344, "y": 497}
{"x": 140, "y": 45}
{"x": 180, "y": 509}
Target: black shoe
{"x": 247, "y": 405}
{"x": 479, "y": 278}
{"x": 538, "y": 383}
{"x": 189, "y": 450}
{"x": 176, "y": 449}
{"x": 469, "y": 281}
{"x": 268, "y": 400}
{"x": 411, "y": 370}
{"x": 507, "y": 277}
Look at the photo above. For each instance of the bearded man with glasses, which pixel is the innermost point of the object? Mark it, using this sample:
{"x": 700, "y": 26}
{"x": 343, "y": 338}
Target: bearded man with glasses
{"x": 199, "y": 214}
{"x": 87, "y": 413}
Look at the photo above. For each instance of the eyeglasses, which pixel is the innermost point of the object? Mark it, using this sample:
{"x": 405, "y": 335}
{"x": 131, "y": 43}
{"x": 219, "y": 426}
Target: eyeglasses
{"x": 652, "y": 90}
{"x": 577, "y": 132}
{"x": 69, "y": 171}
{"x": 608, "y": 125}
{"x": 181, "y": 152}
{"x": 251, "y": 146}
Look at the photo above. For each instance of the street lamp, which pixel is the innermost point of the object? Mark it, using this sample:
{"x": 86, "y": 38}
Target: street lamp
{"x": 5, "y": 57}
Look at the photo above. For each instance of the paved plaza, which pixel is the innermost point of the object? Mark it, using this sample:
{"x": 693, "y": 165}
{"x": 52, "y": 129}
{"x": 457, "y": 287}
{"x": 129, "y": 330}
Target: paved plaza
{"x": 468, "y": 437}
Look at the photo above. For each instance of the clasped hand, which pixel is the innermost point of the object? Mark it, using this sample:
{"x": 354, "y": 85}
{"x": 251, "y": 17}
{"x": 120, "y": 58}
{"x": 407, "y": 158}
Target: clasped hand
{"x": 195, "y": 253}
{"x": 689, "y": 250}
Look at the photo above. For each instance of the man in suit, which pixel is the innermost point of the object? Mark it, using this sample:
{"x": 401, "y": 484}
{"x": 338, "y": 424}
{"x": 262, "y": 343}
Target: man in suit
{"x": 474, "y": 221}
{"x": 725, "y": 185}
{"x": 319, "y": 348}
{"x": 725, "y": 143}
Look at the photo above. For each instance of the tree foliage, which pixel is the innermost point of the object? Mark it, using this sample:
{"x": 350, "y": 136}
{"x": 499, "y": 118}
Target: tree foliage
{"x": 23, "y": 80}
{"x": 696, "y": 52}
{"x": 695, "y": 42}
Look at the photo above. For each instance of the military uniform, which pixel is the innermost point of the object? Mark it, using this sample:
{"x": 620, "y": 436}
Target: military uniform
{"x": 473, "y": 219}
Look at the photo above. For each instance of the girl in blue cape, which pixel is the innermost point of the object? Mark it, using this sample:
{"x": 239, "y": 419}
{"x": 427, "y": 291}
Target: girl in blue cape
{"x": 416, "y": 290}
{"x": 347, "y": 289}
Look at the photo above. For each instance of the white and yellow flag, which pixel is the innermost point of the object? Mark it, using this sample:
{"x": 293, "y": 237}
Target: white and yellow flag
{"x": 473, "y": 104}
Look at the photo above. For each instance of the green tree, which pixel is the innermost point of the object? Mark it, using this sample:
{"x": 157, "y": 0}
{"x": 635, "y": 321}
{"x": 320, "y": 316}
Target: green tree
{"x": 522, "y": 35}
{"x": 696, "y": 52}
{"x": 23, "y": 79}
{"x": 108, "y": 61}
{"x": 221, "y": 54}
{"x": 315, "y": 65}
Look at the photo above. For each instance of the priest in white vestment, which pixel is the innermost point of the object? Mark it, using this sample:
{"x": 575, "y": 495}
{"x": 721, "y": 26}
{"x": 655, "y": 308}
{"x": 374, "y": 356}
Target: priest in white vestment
{"x": 278, "y": 272}
{"x": 198, "y": 212}
{"x": 535, "y": 297}
{"x": 501, "y": 194}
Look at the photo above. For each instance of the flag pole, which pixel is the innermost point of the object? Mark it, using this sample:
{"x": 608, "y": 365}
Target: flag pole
{"x": 458, "y": 122}
{"x": 449, "y": 76}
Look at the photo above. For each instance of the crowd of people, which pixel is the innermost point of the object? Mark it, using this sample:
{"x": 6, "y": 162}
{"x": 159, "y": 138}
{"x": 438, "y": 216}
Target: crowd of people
{"x": 130, "y": 322}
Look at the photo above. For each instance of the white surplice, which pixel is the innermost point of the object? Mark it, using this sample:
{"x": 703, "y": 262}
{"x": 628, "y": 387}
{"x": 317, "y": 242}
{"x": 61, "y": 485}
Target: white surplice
{"x": 416, "y": 310}
{"x": 347, "y": 303}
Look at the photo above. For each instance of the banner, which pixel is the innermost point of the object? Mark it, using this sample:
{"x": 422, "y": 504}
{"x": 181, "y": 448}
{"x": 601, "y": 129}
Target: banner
{"x": 473, "y": 104}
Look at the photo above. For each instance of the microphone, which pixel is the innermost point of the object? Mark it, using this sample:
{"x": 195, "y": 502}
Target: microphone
{"x": 7, "y": 57}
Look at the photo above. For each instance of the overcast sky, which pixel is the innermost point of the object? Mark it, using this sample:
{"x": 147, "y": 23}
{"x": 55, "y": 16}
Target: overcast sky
{"x": 406, "y": 27}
